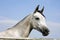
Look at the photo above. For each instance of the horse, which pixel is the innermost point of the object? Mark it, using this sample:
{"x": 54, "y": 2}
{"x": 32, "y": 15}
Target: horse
{"x": 23, "y": 28}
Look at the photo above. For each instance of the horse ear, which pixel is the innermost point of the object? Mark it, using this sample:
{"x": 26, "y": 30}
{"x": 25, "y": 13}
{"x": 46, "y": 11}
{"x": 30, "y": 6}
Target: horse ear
{"x": 42, "y": 10}
{"x": 36, "y": 8}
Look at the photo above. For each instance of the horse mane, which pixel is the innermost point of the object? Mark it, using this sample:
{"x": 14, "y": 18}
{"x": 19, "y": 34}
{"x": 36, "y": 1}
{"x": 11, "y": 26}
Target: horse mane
{"x": 19, "y": 22}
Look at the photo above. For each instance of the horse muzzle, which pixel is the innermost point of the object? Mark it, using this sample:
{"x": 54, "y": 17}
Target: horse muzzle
{"x": 45, "y": 31}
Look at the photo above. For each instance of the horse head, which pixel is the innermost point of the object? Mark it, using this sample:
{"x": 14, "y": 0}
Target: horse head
{"x": 38, "y": 21}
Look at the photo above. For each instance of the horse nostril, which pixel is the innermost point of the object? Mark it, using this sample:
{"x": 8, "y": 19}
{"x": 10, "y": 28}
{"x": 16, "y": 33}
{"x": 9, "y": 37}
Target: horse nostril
{"x": 45, "y": 32}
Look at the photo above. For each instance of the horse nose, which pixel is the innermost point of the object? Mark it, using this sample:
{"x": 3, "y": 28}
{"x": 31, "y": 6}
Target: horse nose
{"x": 45, "y": 31}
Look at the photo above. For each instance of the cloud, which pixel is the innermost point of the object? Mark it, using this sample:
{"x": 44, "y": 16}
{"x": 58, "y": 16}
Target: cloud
{"x": 5, "y": 20}
{"x": 6, "y": 23}
{"x": 54, "y": 28}
{"x": 53, "y": 23}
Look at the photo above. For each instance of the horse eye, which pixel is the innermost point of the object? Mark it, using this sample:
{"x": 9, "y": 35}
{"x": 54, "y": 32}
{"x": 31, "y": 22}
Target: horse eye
{"x": 37, "y": 18}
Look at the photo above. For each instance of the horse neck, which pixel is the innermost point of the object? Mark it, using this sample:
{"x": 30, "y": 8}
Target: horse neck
{"x": 24, "y": 27}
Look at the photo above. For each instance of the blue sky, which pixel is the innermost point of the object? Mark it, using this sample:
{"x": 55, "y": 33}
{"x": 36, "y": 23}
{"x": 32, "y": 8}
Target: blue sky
{"x": 12, "y": 11}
